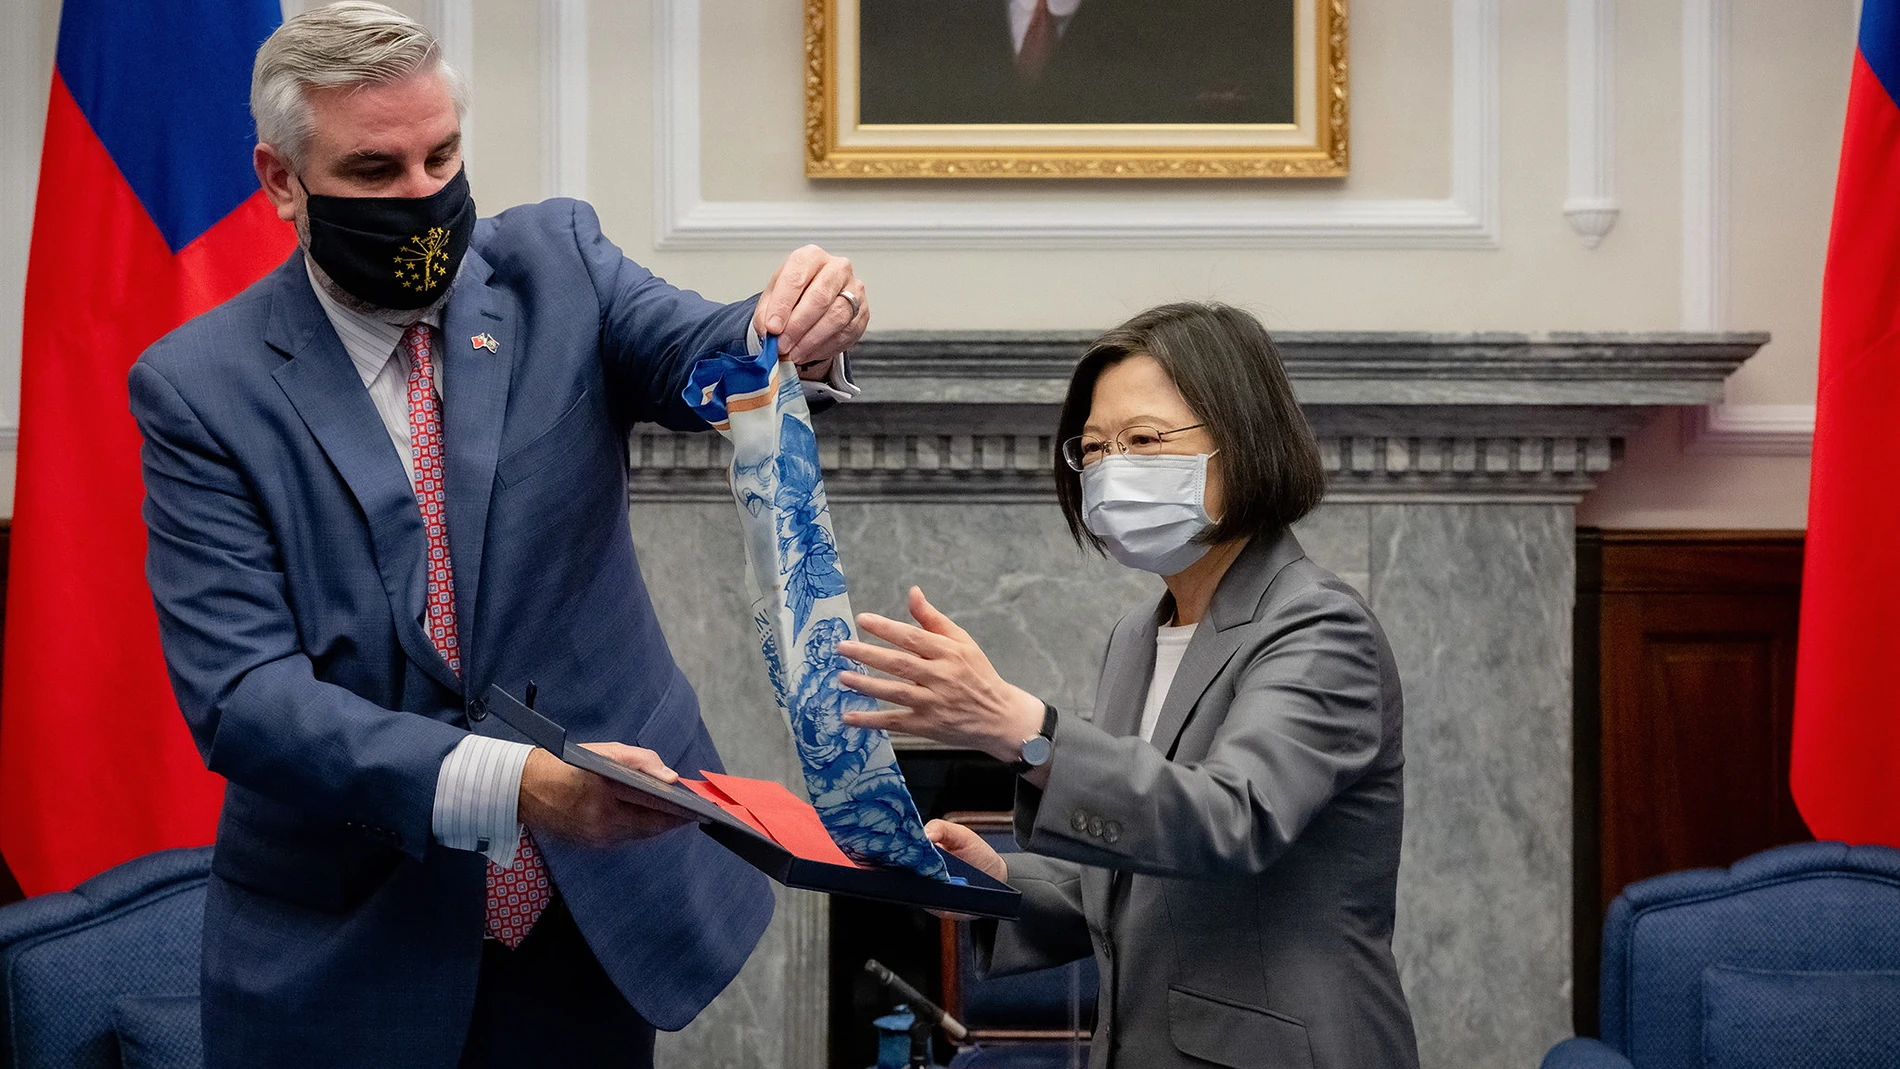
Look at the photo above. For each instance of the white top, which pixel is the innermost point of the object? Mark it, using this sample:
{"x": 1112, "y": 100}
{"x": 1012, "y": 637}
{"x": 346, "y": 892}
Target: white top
{"x": 1170, "y": 644}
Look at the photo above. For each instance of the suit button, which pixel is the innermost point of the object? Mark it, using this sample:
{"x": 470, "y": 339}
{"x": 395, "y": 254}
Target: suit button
{"x": 1111, "y": 832}
{"x": 1095, "y": 827}
{"x": 478, "y": 710}
{"x": 1079, "y": 820}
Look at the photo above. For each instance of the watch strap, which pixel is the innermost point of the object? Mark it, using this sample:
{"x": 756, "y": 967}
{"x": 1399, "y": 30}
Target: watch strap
{"x": 1048, "y": 732}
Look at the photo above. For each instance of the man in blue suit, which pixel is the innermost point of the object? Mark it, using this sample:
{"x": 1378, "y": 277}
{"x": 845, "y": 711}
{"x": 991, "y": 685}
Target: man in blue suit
{"x": 388, "y": 475}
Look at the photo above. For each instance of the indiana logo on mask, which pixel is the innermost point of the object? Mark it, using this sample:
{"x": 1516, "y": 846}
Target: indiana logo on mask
{"x": 393, "y": 252}
{"x": 422, "y": 264}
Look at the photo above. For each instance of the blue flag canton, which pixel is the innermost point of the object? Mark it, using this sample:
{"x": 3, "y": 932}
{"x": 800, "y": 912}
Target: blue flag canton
{"x": 1880, "y": 43}
{"x": 166, "y": 86}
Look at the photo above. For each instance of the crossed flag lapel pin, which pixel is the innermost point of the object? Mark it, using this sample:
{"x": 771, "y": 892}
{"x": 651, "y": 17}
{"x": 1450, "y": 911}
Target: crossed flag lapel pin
{"x": 484, "y": 340}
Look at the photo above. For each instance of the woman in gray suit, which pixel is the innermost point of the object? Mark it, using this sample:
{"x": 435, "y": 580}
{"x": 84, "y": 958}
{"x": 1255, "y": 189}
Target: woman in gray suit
{"x": 1223, "y": 835}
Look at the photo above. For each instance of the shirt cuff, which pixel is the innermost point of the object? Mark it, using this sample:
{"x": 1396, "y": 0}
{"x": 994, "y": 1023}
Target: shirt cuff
{"x": 476, "y": 793}
{"x": 837, "y": 386}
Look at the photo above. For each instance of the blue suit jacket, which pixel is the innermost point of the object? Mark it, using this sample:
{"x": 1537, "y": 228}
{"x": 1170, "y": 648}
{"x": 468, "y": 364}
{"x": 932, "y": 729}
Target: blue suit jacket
{"x": 286, "y": 559}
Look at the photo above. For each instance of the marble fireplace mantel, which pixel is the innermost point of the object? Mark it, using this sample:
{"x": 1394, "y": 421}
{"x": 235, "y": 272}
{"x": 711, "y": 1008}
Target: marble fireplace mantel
{"x": 1468, "y": 417}
{"x": 1454, "y": 464}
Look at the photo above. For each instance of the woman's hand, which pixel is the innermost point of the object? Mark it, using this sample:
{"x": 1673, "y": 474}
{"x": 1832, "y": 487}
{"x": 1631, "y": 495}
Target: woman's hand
{"x": 966, "y": 845}
{"x": 943, "y": 680}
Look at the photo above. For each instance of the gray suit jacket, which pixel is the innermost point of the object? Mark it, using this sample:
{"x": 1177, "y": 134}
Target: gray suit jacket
{"x": 1236, "y": 879}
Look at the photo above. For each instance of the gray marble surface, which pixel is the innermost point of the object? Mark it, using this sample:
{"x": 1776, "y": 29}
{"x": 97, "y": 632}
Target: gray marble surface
{"x": 1476, "y": 600}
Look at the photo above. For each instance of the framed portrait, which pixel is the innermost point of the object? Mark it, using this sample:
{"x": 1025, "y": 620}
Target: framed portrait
{"x": 1075, "y": 88}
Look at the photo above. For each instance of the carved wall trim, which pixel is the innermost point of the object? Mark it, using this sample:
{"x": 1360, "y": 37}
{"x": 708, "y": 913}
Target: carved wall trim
{"x": 1591, "y": 206}
{"x": 564, "y": 98}
{"x": 453, "y": 23}
{"x": 1402, "y": 416}
{"x": 671, "y": 466}
{"x": 1705, "y": 163}
{"x": 1749, "y": 430}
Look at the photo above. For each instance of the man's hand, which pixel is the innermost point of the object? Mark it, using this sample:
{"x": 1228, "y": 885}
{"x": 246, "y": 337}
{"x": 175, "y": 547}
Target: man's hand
{"x": 572, "y": 803}
{"x": 817, "y": 307}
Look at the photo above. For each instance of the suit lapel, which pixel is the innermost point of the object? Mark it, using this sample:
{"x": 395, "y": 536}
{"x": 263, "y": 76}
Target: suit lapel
{"x": 324, "y": 387}
{"x": 1130, "y": 664}
{"x": 1236, "y": 601}
{"x": 474, "y": 402}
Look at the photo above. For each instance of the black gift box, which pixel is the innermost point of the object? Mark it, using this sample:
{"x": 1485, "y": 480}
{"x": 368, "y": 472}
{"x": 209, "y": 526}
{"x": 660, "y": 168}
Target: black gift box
{"x": 977, "y": 895}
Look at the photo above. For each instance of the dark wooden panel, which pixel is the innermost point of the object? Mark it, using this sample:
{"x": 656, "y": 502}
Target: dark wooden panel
{"x": 1697, "y": 693}
{"x": 1701, "y": 562}
{"x": 1685, "y": 695}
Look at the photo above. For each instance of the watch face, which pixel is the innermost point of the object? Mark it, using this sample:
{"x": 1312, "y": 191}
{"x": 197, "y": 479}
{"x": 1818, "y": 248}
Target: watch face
{"x": 1036, "y": 751}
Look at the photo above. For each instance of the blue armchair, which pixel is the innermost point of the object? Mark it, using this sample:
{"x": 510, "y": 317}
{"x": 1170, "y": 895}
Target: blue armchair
{"x": 106, "y": 975}
{"x": 1789, "y": 958}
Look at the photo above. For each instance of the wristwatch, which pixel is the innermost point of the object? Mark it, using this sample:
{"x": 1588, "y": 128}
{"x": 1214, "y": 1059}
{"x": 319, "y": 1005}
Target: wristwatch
{"x": 1038, "y": 748}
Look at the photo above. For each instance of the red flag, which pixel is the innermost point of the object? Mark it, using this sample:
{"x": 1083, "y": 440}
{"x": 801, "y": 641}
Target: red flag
{"x": 1846, "y": 756}
{"x": 148, "y": 214}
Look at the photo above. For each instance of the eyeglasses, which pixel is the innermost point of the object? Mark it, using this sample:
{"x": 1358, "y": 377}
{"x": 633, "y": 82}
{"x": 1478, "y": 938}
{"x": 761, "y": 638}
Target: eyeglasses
{"x": 1081, "y": 451}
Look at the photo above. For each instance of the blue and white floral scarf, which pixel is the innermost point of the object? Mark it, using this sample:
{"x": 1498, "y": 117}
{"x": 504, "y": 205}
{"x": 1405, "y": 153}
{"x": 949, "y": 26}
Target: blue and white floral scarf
{"x": 801, "y": 610}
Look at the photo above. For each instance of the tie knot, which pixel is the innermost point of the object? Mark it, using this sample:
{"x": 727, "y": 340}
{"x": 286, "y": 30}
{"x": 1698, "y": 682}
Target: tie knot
{"x": 415, "y": 341}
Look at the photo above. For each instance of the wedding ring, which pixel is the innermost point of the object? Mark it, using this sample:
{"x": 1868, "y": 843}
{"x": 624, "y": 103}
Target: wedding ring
{"x": 856, "y": 304}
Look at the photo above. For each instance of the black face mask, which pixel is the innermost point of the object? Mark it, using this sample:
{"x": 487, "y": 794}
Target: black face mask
{"x": 393, "y": 252}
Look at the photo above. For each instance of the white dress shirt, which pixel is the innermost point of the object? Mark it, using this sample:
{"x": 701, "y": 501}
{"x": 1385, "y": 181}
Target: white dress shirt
{"x": 1170, "y": 644}
{"x": 479, "y": 785}
{"x": 1021, "y": 11}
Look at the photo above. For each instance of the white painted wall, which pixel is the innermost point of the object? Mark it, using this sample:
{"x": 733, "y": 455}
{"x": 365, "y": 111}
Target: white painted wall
{"x": 1712, "y": 126}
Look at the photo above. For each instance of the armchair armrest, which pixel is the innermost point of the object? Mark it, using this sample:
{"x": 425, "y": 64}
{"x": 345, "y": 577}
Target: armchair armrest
{"x": 1584, "y": 1054}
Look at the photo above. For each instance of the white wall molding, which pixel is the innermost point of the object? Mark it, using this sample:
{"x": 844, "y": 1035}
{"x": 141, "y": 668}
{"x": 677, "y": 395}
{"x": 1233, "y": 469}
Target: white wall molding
{"x": 1591, "y": 205}
{"x": 1468, "y": 218}
{"x": 1749, "y": 430}
{"x": 1705, "y": 163}
{"x": 453, "y": 23}
{"x": 564, "y": 98}
{"x": 291, "y": 7}
{"x": 1719, "y": 429}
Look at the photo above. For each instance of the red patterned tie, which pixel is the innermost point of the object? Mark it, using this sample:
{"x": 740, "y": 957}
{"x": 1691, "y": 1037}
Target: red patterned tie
{"x": 516, "y": 896}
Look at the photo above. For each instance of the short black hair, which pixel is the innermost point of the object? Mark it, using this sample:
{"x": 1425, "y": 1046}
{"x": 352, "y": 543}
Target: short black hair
{"x": 1229, "y": 372}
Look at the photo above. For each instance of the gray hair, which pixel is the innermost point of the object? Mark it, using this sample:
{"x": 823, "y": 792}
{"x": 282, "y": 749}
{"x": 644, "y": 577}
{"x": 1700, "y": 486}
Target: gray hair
{"x": 354, "y": 42}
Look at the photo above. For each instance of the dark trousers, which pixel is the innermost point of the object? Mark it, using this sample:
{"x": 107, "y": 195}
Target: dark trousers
{"x": 549, "y": 1003}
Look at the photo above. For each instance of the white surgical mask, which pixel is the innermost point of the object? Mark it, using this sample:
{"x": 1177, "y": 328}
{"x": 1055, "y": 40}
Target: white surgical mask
{"x": 1148, "y": 509}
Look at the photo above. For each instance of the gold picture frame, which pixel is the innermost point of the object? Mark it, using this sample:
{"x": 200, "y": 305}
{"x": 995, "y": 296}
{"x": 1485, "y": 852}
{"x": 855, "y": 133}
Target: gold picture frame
{"x": 840, "y": 144}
